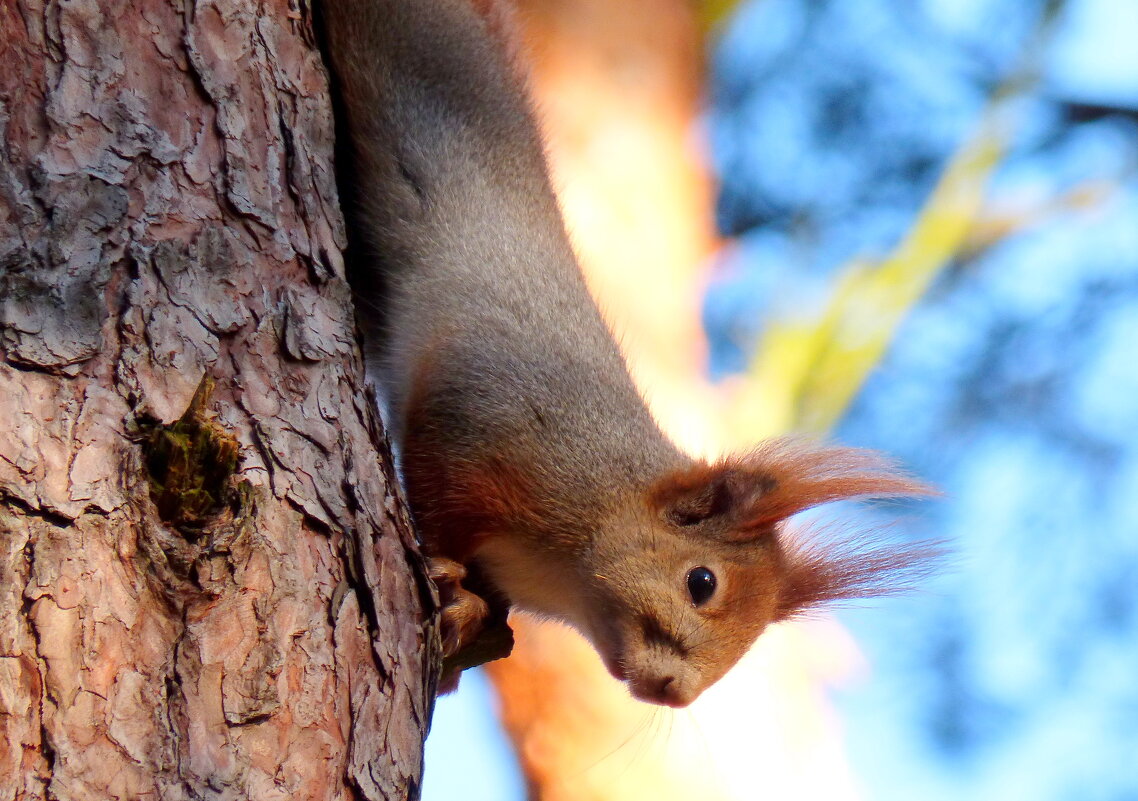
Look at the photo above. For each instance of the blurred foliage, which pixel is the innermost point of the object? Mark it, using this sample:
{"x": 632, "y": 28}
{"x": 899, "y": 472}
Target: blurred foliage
{"x": 714, "y": 13}
{"x": 805, "y": 373}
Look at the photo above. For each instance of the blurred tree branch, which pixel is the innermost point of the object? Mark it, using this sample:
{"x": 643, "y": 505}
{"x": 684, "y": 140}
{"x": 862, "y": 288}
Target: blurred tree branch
{"x": 806, "y": 370}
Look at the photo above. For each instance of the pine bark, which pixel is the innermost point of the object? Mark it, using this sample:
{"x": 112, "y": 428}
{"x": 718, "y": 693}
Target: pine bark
{"x": 208, "y": 584}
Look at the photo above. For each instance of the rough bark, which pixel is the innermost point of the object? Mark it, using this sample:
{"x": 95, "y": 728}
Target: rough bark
{"x": 210, "y": 595}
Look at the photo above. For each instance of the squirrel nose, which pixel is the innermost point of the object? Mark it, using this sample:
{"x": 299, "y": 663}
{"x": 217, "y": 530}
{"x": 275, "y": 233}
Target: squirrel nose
{"x": 665, "y": 690}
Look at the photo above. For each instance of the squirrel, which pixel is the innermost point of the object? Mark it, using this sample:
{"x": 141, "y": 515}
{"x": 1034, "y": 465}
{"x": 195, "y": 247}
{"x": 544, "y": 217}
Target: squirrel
{"x": 527, "y": 455}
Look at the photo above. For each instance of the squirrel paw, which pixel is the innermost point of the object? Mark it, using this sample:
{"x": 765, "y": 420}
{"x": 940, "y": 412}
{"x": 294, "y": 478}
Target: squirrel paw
{"x": 464, "y": 614}
{"x": 472, "y": 631}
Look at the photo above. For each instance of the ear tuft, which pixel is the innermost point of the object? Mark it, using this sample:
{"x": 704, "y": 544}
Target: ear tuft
{"x": 802, "y": 474}
{"x": 823, "y": 571}
{"x": 751, "y": 493}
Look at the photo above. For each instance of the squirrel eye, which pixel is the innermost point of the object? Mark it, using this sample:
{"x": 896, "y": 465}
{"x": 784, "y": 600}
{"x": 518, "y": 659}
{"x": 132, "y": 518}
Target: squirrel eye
{"x": 701, "y": 585}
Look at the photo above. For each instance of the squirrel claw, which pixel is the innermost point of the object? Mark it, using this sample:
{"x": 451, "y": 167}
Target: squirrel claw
{"x": 472, "y": 632}
{"x": 464, "y": 614}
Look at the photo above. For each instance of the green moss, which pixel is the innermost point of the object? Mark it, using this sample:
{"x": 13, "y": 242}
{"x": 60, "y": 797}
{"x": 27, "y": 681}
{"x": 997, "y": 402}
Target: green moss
{"x": 189, "y": 464}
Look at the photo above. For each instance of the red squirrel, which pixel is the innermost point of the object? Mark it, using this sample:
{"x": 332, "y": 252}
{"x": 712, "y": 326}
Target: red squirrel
{"x": 527, "y": 454}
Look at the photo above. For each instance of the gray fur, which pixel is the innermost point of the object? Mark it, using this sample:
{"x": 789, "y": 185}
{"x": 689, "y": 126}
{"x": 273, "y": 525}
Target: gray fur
{"x": 457, "y": 213}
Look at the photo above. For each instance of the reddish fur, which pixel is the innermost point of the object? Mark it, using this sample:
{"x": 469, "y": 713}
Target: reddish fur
{"x": 785, "y": 476}
{"x": 457, "y": 504}
{"x": 459, "y": 508}
{"x": 822, "y": 572}
{"x": 807, "y": 475}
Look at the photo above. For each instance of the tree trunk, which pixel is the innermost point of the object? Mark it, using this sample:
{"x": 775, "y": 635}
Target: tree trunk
{"x": 208, "y": 588}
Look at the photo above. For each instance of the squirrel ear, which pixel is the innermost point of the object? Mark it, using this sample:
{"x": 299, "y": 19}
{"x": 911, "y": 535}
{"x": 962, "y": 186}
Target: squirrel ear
{"x": 721, "y": 492}
{"x": 693, "y": 504}
{"x": 749, "y": 494}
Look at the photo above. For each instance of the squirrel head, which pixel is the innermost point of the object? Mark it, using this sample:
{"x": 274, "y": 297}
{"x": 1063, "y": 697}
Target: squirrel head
{"x": 675, "y": 579}
{"x": 686, "y": 577}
